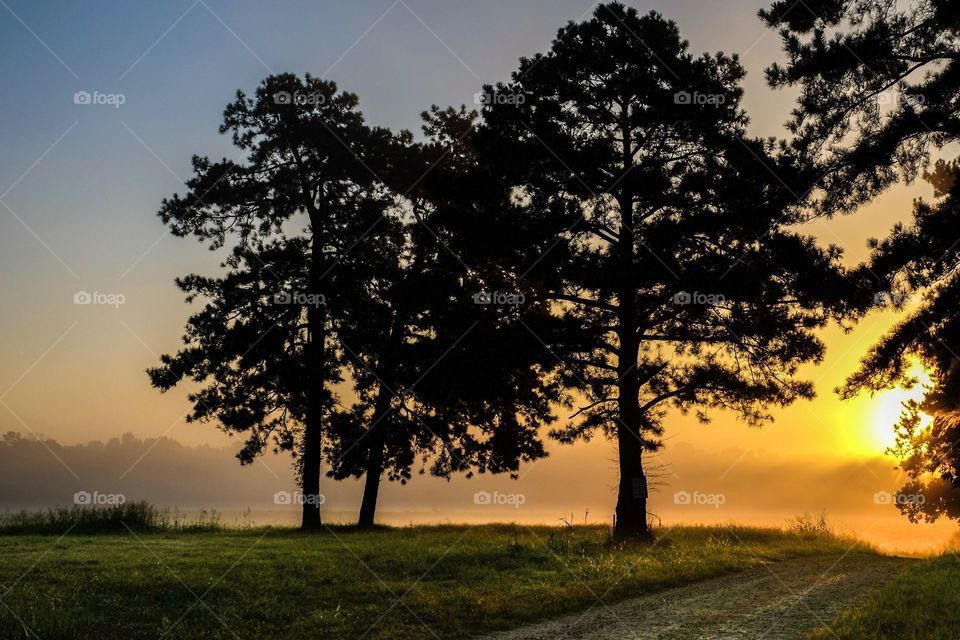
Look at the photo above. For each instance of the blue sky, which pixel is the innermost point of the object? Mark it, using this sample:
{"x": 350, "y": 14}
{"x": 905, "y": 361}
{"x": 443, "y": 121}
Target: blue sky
{"x": 81, "y": 184}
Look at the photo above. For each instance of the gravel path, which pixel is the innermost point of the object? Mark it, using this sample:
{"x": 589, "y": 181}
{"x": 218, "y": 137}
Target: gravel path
{"x": 779, "y": 601}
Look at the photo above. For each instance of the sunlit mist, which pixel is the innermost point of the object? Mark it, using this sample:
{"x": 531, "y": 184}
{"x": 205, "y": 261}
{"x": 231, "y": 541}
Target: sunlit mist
{"x": 889, "y": 405}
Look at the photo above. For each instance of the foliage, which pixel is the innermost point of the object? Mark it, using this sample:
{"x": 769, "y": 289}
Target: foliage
{"x": 659, "y": 232}
{"x": 878, "y": 87}
{"x": 123, "y": 518}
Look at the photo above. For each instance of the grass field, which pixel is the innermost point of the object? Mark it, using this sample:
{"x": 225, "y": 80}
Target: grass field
{"x": 921, "y": 604}
{"x": 421, "y": 582}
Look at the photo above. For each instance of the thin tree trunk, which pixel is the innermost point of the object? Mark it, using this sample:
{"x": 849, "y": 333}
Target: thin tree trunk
{"x": 377, "y": 438}
{"x": 375, "y": 454}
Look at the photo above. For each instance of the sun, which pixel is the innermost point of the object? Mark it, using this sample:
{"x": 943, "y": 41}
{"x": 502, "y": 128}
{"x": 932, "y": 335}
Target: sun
{"x": 889, "y": 405}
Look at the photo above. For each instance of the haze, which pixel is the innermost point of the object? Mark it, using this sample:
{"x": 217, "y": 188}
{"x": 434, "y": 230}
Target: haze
{"x": 80, "y": 185}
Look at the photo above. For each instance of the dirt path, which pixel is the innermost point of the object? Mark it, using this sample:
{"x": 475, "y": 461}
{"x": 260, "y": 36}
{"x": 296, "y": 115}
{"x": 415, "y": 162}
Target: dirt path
{"x": 780, "y": 601}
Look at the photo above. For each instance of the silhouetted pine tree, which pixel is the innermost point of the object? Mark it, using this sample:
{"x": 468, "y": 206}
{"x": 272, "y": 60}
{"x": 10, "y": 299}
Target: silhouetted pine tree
{"x": 877, "y": 97}
{"x": 444, "y": 371}
{"x": 341, "y": 277}
{"x": 265, "y": 346}
{"x": 878, "y": 87}
{"x": 633, "y": 202}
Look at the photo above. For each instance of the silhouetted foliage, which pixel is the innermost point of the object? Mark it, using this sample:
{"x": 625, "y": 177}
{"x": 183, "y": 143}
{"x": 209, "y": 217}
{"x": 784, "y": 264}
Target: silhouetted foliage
{"x": 355, "y": 338}
{"x": 879, "y": 88}
{"x": 659, "y": 233}
{"x": 266, "y": 343}
{"x": 439, "y": 378}
{"x": 923, "y": 258}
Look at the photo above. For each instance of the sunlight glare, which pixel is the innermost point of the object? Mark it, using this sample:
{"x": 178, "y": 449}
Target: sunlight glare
{"x": 887, "y": 408}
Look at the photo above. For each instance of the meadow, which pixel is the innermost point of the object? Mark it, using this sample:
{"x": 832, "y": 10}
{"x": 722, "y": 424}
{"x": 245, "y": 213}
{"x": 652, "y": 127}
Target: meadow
{"x": 161, "y": 579}
{"x": 923, "y": 603}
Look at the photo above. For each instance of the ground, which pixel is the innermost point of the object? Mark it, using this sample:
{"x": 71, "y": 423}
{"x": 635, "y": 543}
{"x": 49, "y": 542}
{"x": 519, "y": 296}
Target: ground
{"x": 419, "y": 582}
{"x": 781, "y": 601}
{"x": 920, "y": 604}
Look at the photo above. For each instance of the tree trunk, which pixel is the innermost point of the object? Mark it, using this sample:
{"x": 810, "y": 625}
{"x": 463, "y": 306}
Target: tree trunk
{"x": 375, "y": 453}
{"x": 313, "y": 427}
{"x": 631, "y": 510}
{"x": 632, "y": 495}
{"x": 377, "y": 437}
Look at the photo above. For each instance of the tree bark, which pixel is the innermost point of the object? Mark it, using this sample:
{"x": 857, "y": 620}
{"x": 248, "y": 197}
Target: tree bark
{"x": 631, "y": 513}
{"x": 632, "y": 494}
{"x": 375, "y": 455}
{"x": 313, "y": 425}
{"x": 377, "y": 437}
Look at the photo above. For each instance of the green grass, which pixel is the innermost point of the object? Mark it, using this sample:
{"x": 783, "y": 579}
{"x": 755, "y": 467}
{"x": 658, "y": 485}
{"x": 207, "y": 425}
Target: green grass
{"x": 343, "y": 583}
{"x": 130, "y": 516}
{"x": 922, "y": 603}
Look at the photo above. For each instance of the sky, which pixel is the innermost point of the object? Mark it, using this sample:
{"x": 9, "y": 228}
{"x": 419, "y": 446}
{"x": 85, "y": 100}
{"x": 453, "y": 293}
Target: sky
{"x": 80, "y": 185}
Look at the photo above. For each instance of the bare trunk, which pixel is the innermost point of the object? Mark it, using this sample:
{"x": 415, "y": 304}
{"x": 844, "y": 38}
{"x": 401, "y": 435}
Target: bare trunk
{"x": 313, "y": 427}
{"x": 376, "y": 441}
{"x": 631, "y": 513}
{"x": 632, "y": 495}
{"x": 377, "y": 437}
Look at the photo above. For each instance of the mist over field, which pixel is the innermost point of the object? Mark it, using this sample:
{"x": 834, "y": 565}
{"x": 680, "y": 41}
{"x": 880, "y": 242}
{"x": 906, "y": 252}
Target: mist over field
{"x": 749, "y": 487}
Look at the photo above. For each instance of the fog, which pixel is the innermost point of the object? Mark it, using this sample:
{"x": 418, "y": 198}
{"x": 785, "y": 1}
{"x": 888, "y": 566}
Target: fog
{"x": 575, "y": 483}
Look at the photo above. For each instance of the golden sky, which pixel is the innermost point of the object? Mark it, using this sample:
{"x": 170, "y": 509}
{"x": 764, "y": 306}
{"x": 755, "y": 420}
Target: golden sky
{"x": 80, "y": 188}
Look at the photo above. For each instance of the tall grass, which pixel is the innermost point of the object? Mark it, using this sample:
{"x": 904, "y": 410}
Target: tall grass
{"x": 132, "y": 516}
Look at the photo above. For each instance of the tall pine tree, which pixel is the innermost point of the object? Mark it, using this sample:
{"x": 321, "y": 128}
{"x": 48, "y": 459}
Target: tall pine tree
{"x": 659, "y": 234}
